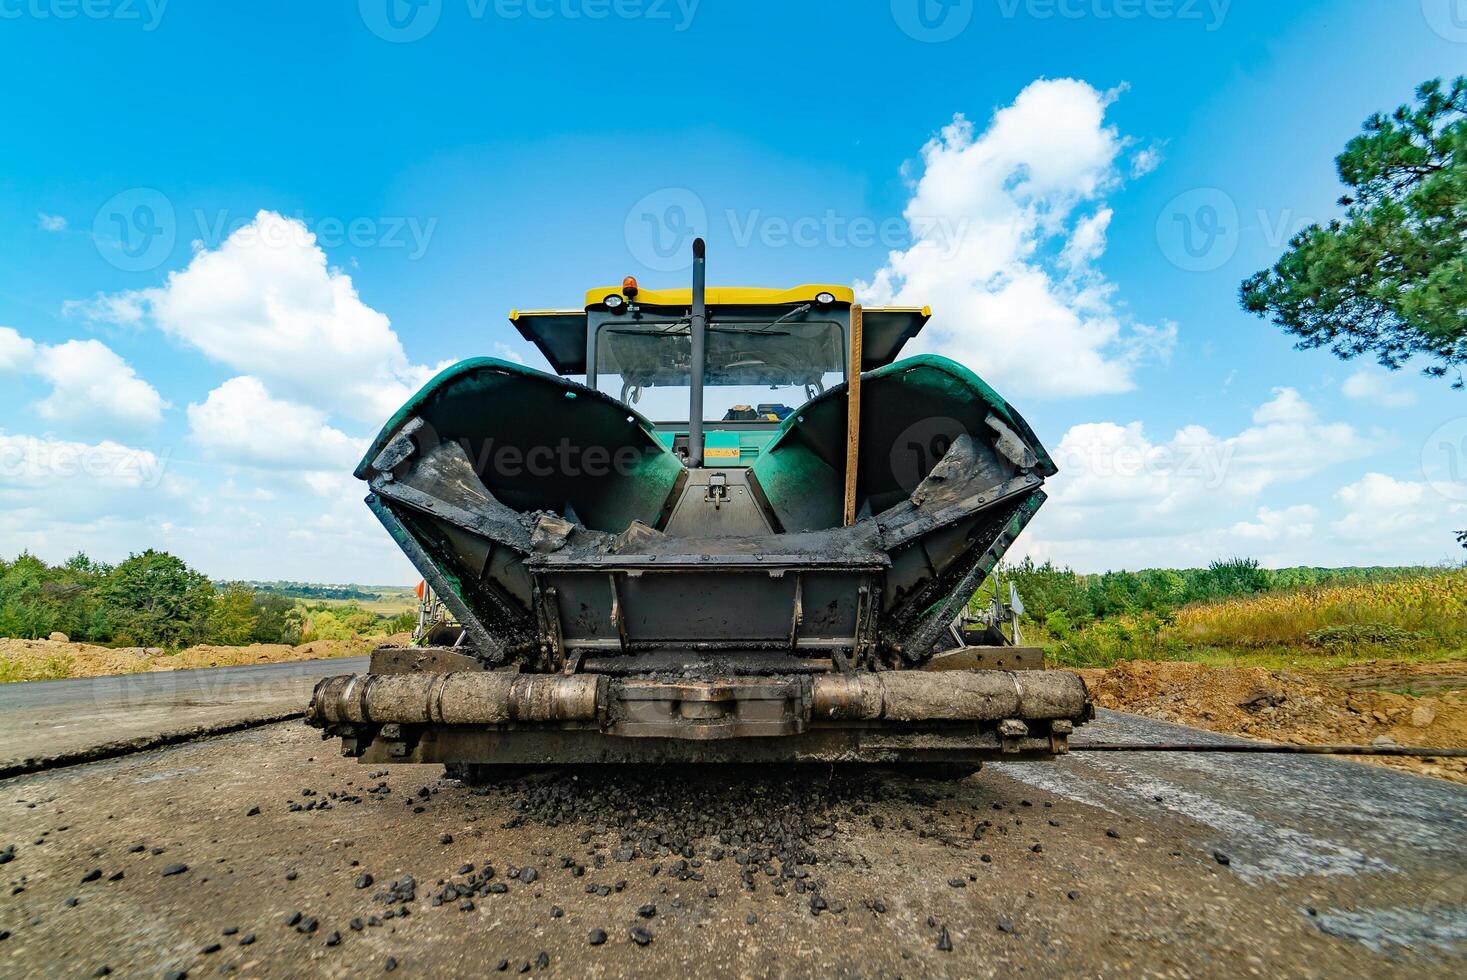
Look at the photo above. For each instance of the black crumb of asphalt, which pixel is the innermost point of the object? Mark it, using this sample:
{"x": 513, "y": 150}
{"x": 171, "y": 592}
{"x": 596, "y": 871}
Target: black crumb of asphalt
{"x": 1222, "y": 858}
{"x": 596, "y": 937}
{"x": 640, "y": 936}
{"x": 174, "y": 869}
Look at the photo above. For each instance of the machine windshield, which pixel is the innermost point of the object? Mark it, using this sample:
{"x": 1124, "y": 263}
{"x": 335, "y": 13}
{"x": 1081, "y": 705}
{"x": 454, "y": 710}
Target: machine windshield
{"x": 750, "y": 363}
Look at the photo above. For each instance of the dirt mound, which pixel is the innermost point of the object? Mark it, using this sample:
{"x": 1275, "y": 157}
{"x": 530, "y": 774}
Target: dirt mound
{"x": 1284, "y": 706}
{"x": 26, "y": 660}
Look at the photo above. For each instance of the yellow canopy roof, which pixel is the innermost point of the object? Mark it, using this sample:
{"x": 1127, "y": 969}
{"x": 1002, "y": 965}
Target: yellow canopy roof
{"x": 729, "y": 295}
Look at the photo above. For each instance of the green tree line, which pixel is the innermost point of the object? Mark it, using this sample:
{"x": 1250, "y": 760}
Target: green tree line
{"x": 154, "y": 599}
{"x": 1083, "y": 599}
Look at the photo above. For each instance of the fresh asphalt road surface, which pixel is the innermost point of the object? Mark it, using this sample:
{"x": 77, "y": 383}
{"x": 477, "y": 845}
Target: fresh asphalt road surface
{"x": 1095, "y": 864}
{"x": 46, "y": 719}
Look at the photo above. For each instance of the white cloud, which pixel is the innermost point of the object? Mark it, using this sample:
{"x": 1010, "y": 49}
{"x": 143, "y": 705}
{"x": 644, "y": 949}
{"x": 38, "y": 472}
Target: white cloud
{"x": 17, "y": 353}
{"x": 266, "y": 303}
{"x": 505, "y": 352}
{"x": 1295, "y": 522}
{"x": 92, "y": 387}
{"x": 1379, "y": 388}
{"x": 1380, "y": 508}
{"x": 90, "y": 381}
{"x": 1088, "y": 240}
{"x": 50, "y": 222}
{"x": 241, "y": 424}
{"x": 1287, "y": 407}
{"x": 45, "y": 483}
{"x": 1007, "y": 225}
{"x": 1122, "y": 499}
{"x": 1145, "y": 161}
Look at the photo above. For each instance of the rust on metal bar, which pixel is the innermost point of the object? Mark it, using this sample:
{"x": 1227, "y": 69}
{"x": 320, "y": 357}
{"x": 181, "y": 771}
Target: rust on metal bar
{"x": 966, "y": 696}
{"x": 459, "y": 698}
{"x": 853, "y": 415}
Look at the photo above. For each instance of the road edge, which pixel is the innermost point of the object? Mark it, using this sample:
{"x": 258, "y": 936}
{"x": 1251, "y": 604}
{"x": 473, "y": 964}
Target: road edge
{"x": 143, "y": 743}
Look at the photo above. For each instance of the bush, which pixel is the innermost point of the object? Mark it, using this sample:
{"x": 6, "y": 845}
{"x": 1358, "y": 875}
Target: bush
{"x": 155, "y": 600}
{"x": 277, "y": 620}
{"x": 1369, "y": 634}
{"x": 1110, "y": 641}
{"x": 232, "y": 617}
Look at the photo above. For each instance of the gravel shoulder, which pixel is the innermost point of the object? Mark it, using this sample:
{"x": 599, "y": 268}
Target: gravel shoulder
{"x": 1157, "y": 865}
{"x": 1400, "y": 703}
{"x": 44, "y": 721}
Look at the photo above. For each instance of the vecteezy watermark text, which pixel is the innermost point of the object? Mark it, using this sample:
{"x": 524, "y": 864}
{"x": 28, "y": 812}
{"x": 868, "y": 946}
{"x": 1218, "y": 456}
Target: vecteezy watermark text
{"x": 1200, "y": 230}
{"x": 28, "y": 461}
{"x": 136, "y": 230}
{"x": 661, "y": 226}
{"x": 935, "y": 21}
{"x": 147, "y": 13}
{"x": 395, "y": 232}
{"x": 404, "y": 21}
{"x": 1210, "y": 13}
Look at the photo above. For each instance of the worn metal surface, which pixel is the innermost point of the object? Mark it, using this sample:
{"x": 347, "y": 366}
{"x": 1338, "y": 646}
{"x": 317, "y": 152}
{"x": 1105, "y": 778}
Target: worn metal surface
{"x": 831, "y": 716}
{"x": 830, "y": 745}
{"x": 989, "y": 658}
{"x": 463, "y": 698}
{"x": 718, "y": 503}
{"x": 968, "y": 695}
{"x": 414, "y": 660}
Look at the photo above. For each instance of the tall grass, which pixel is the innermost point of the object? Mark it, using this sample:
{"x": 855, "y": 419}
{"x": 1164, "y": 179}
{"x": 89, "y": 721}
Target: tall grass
{"x": 1428, "y": 609}
{"x": 1424, "y": 615}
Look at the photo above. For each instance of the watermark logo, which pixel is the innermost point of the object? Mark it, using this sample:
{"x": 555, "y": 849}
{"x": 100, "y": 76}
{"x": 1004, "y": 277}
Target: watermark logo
{"x": 146, "y": 13}
{"x": 660, "y": 228}
{"x": 1202, "y": 464}
{"x": 1448, "y": 18}
{"x": 30, "y": 462}
{"x": 1210, "y": 13}
{"x": 400, "y": 21}
{"x": 1444, "y": 459}
{"x": 932, "y": 21}
{"x": 410, "y": 234}
{"x": 1199, "y": 231}
{"x": 679, "y": 13}
{"x": 136, "y": 229}
{"x": 919, "y": 447}
{"x": 404, "y": 21}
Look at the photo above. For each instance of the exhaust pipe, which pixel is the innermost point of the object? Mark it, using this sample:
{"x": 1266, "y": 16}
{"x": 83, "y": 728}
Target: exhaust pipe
{"x": 699, "y": 331}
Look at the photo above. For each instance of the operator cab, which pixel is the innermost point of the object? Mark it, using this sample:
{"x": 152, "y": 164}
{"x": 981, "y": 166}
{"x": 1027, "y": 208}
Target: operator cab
{"x": 768, "y": 351}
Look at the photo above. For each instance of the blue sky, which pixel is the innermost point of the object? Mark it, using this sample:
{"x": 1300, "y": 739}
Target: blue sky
{"x": 520, "y": 151}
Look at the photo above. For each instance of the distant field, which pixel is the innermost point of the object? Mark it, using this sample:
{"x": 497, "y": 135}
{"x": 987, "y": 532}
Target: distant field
{"x": 383, "y": 600}
{"x": 1414, "y": 618}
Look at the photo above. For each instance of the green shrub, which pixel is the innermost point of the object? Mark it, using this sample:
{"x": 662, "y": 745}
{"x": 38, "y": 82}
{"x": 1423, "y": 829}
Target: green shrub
{"x": 1372, "y": 634}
